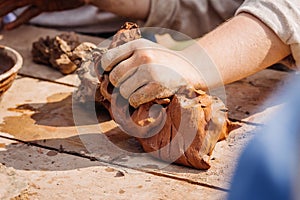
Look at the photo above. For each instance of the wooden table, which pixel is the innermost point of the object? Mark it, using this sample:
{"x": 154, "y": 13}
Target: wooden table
{"x": 58, "y": 158}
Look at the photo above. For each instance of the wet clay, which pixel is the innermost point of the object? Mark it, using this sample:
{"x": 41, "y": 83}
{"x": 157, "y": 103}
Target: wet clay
{"x": 41, "y": 121}
{"x": 183, "y": 128}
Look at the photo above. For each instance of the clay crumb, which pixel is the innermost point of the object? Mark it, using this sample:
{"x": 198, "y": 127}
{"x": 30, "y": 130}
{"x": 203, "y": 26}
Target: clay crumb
{"x": 109, "y": 169}
{"x": 52, "y": 153}
{"x": 119, "y": 174}
{"x": 121, "y": 191}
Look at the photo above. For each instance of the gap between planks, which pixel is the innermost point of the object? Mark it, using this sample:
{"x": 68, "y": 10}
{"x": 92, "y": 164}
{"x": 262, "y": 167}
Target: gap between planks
{"x": 92, "y": 158}
{"x": 46, "y": 80}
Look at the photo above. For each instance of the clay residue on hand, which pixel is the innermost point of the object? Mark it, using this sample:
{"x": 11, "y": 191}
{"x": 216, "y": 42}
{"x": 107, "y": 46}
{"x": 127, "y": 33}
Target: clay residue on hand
{"x": 184, "y": 128}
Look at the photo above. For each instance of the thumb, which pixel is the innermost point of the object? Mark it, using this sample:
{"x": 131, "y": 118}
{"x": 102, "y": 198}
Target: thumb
{"x": 114, "y": 56}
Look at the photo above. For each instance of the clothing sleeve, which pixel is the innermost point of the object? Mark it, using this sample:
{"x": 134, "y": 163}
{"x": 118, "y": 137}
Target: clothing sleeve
{"x": 269, "y": 167}
{"x": 282, "y": 16}
{"x": 85, "y": 19}
{"x": 191, "y": 17}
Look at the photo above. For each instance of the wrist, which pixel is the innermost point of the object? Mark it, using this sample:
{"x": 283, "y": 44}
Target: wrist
{"x": 204, "y": 73}
{"x": 243, "y": 46}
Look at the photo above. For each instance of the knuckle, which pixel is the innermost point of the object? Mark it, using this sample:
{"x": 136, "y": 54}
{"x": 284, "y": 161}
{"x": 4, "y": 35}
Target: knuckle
{"x": 137, "y": 43}
{"x": 140, "y": 44}
{"x": 145, "y": 57}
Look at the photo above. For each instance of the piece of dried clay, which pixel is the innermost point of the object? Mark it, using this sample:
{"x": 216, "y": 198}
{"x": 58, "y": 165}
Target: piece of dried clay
{"x": 63, "y": 52}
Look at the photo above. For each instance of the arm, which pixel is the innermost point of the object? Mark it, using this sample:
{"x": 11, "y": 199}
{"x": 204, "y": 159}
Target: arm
{"x": 34, "y": 8}
{"x": 134, "y": 9}
{"x": 243, "y": 46}
{"x": 191, "y": 17}
{"x": 239, "y": 48}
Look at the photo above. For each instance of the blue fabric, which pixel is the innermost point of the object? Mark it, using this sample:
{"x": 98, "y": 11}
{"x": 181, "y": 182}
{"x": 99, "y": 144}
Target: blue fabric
{"x": 10, "y": 17}
{"x": 269, "y": 166}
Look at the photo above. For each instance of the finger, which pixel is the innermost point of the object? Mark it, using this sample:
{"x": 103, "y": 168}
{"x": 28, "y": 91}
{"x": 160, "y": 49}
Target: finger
{"x": 7, "y": 6}
{"x": 134, "y": 82}
{"x": 122, "y": 52}
{"x": 28, "y": 14}
{"x": 123, "y": 71}
{"x": 116, "y": 55}
{"x": 149, "y": 93}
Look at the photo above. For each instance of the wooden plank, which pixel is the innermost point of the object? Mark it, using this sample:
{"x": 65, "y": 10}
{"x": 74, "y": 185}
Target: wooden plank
{"x": 41, "y": 112}
{"x": 61, "y": 176}
{"x": 36, "y": 110}
{"x": 22, "y": 38}
{"x": 247, "y": 98}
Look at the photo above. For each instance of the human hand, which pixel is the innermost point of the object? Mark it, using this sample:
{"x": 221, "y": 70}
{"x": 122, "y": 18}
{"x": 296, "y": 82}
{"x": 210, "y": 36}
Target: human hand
{"x": 144, "y": 71}
{"x": 35, "y": 7}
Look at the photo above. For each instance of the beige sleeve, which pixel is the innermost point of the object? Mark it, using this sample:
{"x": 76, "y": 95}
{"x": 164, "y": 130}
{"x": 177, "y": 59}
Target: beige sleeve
{"x": 282, "y": 16}
{"x": 191, "y": 17}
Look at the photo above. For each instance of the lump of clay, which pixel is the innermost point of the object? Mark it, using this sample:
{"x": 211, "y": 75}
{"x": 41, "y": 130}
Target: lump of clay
{"x": 183, "y": 128}
{"x": 63, "y": 52}
{"x": 194, "y": 123}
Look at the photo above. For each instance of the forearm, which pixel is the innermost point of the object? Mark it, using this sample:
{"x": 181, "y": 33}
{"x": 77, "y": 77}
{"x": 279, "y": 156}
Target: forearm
{"x": 135, "y": 9}
{"x": 243, "y": 46}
